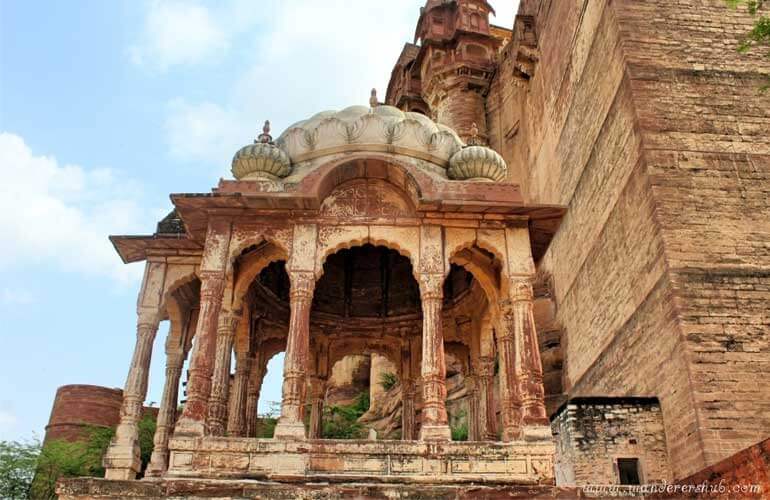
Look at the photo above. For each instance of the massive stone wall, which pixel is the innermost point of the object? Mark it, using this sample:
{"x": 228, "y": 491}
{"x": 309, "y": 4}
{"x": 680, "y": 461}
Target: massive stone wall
{"x": 593, "y": 433}
{"x": 78, "y": 406}
{"x": 643, "y": 119}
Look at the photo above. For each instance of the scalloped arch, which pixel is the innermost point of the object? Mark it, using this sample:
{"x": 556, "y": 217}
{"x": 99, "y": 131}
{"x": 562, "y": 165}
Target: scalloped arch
{"x": 347, "y": 244}
{"x": 251, "y": 266}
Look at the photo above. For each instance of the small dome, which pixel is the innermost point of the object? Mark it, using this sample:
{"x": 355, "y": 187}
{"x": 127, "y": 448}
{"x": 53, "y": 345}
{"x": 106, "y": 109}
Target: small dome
{"x": 477, "y": 162}
{"x": 260, "y": 160}
{"x": 361, "y": 128}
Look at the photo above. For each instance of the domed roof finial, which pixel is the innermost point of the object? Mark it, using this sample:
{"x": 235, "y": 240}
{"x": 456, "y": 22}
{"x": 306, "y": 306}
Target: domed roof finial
{"x": 265, "y": 136}
{"x": 373, "y": 101}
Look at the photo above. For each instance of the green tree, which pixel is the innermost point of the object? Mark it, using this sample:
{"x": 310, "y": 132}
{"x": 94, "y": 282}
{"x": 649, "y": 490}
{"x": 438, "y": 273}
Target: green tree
{"x": 18, "y": 461}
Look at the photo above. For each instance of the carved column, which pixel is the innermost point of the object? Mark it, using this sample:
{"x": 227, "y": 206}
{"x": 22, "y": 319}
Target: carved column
{"x": 474, "y": 425}
{"x": 530, "y": 367}
{"x": 122, "y": 460}
{"x": 486, "y": 395}
{"x": 236, "y": 420}
{"x": 510, "y": 399}
{"x": 408, "y": 394}
{"x": 166, "y": 414}
{"x": 252, "y": 399}
{"x": 296, "y": 361}
{"x": 212, "y": 276}
{"x": 220, "y": 384}
{"x": 435, "y": 425}
{"x": 317, "y": 389}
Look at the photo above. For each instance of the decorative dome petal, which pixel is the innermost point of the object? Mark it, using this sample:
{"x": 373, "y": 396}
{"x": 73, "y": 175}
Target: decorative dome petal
{"x": 260, "y": 160}
{"x": 477, "y": 162}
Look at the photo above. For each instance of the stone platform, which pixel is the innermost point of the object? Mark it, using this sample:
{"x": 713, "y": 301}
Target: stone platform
{"x": 102, "y": 489}
{"x": 525, "y": 462}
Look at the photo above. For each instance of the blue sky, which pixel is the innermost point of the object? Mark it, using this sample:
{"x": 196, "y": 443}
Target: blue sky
{"x": 105, "y": 109}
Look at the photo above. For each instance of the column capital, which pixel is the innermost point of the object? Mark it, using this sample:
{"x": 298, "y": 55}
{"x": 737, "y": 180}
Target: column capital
{"x": 147, "y": 319}
{"x": 174, "y": 359}
{"x": 486, "y": 366}
{"x": 302, "y": 284}
{"x": 431, "y": 286}
{"x": 228, "y": 322}
{"x": 521, "y": 289}
{"x": 212, "y": 286}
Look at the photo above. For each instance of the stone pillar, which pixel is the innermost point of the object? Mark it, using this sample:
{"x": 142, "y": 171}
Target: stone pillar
{"x": 236, "y": 419}
{"x": 212, "y": 276}
{"x": 435, "y": 425}
{"x": 529, "y": 373}
{"x": 220, "y": 384}
{"x": 166, "y": 414}
{"x": 317, "y": 388}
{"x": 486, "y": 394}
{"x": 510, "y": 400}
{"x": 408, "y": 394}
{"x": 474, "y": 425}
{"x": 297, "y": 357}
{"x": 122, "y": 460}
{"x": 252, "y": 399}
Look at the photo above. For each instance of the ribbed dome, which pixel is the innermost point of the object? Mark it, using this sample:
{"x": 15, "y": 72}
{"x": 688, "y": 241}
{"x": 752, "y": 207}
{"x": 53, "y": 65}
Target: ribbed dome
{"x": 382, "y": 128}
{"x": 477, "y": 162}
{"x": 260, "y": 160}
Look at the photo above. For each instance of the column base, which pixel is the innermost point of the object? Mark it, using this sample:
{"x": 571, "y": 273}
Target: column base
{"x": 190, "y": 427}
{"x": 536, "y": 432}
{"x": 158, "y": 464}
{"x": 122, "y": 462}
{"x": 294, "y": 431}
{"x": 435, "y": 433}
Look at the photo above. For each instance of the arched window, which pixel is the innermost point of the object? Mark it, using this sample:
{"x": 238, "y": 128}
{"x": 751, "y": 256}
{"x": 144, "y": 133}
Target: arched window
{"x": 476, "y": 51}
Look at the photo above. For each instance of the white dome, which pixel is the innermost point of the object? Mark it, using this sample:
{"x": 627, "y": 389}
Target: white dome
{"x": 360, "y": 128}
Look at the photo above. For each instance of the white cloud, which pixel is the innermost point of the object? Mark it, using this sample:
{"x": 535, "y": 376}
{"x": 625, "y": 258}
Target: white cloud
{"x": 305, "y": 56}
{"x": 177, "y": 33}
{"x": 204, "y": 131}
{"x": 59, "y": 216}
{"x": 15, "y": 297}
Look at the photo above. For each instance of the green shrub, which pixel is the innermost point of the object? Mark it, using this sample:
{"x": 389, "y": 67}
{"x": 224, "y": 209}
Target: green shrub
{"x": 266, "y": 427}
{"x": 60, "y": 459}
{"x": 388, "y": 380}
{"x": 341, "y": 421}
{"x": 460, "y": 432}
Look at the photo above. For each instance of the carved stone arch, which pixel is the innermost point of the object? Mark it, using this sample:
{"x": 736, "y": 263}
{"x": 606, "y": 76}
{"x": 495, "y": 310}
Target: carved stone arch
{"x": 357, "y": 236}
{"x": 486, "y": 271}
{"x": 175, "y": 284}
{"x": 341, "y": 348}
{"x": 244, "y": 239}
{"x": 403, "y": 173}
{"x": 180, "y": 315}
{"x": 247, "y": 267}
{"x": 367, "y": 198}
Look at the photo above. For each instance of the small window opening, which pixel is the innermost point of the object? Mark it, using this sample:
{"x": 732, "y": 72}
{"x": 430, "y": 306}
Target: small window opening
{"x": 628, "y": 471}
